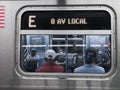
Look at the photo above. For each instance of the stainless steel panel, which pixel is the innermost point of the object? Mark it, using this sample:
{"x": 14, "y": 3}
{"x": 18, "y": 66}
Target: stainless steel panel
{"x": 11, "y": 80}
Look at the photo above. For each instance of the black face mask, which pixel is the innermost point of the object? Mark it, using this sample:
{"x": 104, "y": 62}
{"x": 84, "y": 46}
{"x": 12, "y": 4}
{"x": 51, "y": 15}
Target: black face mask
{"x": 33, "y": 53}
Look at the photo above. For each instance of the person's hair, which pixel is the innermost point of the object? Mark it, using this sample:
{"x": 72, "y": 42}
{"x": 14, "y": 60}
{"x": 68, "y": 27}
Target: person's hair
{"x": 90, "y": 55}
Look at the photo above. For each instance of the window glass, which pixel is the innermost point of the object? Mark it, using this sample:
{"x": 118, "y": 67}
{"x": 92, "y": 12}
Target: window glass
{"x": 74, "y": 51}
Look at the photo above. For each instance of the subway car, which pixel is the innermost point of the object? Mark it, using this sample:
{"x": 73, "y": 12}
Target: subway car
{"x": 29, "y": 28}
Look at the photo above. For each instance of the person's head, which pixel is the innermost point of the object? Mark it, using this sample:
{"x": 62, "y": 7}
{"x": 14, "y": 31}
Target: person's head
{"x": 33, "y": 52}
{"x": 90, "y": 55}
{"x": 50, "y": 55}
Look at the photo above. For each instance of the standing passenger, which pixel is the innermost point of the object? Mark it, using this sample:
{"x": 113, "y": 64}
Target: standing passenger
{"x": 32, "y": 61}
{"x": 50, "y": 65}
{"x": 89, "y": 67}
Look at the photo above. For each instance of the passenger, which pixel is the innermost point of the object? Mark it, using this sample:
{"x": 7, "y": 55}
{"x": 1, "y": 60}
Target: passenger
{"x": 101, "y": 57}
{"x": 32, "y": 61}
{"x": 89, "y": 67}
{"x": 61, "y": 58}
{"x": 77, "y": 59}
{"x": 104, "y": 58}
{"x": 107, "y": 64}
{"x": 50, "y": 65}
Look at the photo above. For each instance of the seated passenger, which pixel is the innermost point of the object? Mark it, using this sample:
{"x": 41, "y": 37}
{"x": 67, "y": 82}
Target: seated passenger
{"x": 50, "y": 65}
{"x": 32, "y": 61}
{"x": 89, "y": 67}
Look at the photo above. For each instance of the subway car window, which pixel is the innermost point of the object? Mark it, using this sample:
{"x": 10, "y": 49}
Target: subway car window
{"x": 65, "y": 53}
{"x": 66, "y": 41}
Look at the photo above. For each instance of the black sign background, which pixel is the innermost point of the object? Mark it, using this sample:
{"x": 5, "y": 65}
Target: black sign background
{"x": 96, "y": 20}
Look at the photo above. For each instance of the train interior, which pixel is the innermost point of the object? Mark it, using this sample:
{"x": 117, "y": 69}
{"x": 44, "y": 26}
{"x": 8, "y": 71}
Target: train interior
{"x": 69, "y": 45}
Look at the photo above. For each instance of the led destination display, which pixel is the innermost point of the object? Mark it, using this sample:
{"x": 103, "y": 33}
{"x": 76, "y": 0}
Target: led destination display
{"x": 66, "y": 20}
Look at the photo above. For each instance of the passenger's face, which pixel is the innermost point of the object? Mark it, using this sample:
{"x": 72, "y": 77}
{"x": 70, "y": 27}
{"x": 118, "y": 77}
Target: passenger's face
{"x": 33, "y": 53}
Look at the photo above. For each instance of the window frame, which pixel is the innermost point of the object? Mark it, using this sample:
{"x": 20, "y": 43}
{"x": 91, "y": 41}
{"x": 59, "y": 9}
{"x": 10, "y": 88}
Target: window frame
{"x": 112, "y": 32}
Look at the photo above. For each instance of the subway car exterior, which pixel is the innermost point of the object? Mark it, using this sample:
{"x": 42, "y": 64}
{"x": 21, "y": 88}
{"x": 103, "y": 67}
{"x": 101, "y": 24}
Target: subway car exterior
{"x": 69, "y": 25}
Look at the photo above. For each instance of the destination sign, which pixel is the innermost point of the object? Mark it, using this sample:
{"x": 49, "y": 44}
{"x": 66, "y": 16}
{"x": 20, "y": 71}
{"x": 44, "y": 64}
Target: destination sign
{"x": 66, "y": 20}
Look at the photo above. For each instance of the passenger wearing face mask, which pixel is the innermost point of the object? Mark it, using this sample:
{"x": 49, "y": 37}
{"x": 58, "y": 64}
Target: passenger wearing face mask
{"x": 32, "y": 61}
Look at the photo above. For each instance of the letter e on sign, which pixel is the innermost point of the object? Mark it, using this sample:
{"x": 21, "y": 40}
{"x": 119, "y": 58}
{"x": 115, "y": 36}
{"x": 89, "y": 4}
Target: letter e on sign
{"x": 31, "y": 22}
